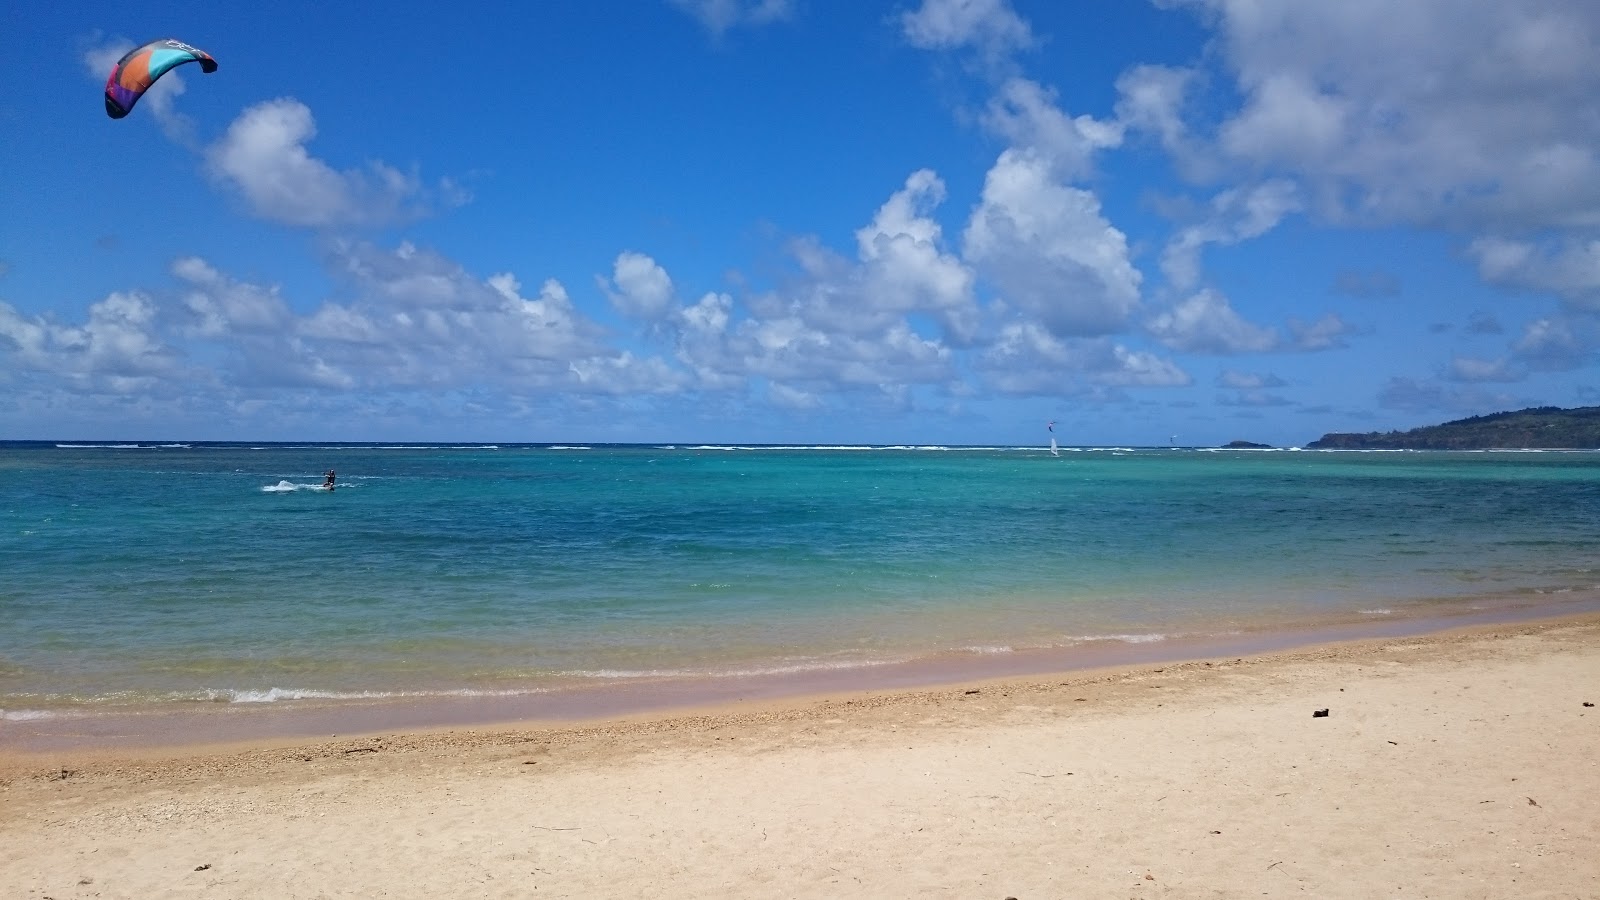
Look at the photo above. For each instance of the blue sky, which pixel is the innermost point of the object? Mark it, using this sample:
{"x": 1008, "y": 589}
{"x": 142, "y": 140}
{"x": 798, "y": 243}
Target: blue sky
{"x": 942, "y": 221}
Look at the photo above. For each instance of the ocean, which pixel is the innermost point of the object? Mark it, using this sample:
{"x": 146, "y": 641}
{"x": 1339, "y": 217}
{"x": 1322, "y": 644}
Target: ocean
{"x": 141, "y": 578}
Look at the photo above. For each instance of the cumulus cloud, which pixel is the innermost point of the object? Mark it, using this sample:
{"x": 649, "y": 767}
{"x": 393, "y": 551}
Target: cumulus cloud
{"x": 1438, "y": 112}
{"x": 1473, "y": 369}
{"x": 721, "y": 16}
{"x": 1235, "y": 215}
{"x": 1558, "y": 343}
{"x": 1570, "y": 269}
{"x": 406, "y": 320}
{"x": 117, "y": 350}
{"x": 419, "y": 318}
{"x": 792, "y": 398}
{"x": 1026, "y": 114}
{"x": 905, "y": 267}
{"x": 841, "y": 324}
{"x": 1247, "y": 381}
{"x": 1153, "y": 99}
{"x": 1049, "y": 249}
{"x": 263, "y": 157}
{"x": 1326, "y": 333}
{"x": 990, "y": 27}
{"x": 1205, "y": 322}
{"x": 222, "y": 306}
{"x": 639, "y": 288}
{"x": 780, "y": 343}
{"x": 1428, "y": 395}
{"x": 1028, "y": 360}
{"x": 1118, "y": 365}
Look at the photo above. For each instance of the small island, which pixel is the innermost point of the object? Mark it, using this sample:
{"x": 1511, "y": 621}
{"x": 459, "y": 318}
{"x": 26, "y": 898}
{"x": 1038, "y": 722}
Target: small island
{"x": 1246, "y": 445}
{"x": 1535, "y": 428}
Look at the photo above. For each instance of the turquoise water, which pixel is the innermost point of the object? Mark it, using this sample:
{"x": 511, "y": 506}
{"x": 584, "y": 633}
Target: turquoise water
{"x": 145, "y": 574}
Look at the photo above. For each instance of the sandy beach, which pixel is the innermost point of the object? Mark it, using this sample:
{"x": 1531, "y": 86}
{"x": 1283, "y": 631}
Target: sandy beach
{"x": 1454, "y": 765}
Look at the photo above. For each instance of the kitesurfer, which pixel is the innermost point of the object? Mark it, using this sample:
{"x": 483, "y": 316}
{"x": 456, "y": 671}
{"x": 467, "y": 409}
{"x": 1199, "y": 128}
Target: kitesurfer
{"x": 327, "y": 480}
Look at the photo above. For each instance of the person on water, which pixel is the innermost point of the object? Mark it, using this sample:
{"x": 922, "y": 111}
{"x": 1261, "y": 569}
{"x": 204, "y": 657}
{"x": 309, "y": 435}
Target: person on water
{"x": 327, "y": 481}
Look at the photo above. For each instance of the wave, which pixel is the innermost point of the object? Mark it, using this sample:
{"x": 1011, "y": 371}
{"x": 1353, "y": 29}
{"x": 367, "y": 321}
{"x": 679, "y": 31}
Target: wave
{"x": 287, "y": 487}
{"x": 31, "y": 715}
{"x": 416, "y": 447}
{"x": 792, "y": 668}
{"x": 1123, "y": 638}
{"x": 278, "y": 695}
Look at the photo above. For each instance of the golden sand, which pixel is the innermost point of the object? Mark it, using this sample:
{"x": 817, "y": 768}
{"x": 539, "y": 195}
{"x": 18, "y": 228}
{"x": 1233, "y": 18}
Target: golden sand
{"x": 1456, "y": 765}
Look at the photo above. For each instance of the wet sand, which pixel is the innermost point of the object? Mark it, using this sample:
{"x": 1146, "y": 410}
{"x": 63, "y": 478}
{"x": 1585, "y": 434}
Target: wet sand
{"x": 169, "y": 724}
{"x": 1460, "y": 764}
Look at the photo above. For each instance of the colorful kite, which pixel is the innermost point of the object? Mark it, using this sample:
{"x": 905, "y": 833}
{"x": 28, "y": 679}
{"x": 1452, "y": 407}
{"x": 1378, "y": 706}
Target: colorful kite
{"x": 134, "y": 73}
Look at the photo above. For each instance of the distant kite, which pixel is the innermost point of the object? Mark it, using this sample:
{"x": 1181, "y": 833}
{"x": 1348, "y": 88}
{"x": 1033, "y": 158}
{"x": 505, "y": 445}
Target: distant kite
{"x": 134, "y": 73}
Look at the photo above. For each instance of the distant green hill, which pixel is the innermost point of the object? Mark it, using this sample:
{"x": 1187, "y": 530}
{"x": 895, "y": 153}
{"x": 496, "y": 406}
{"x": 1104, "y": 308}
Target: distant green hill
{"x": 1536, "y": 428}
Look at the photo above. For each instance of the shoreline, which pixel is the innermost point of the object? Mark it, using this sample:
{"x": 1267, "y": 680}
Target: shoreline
{"x": 1456, "y": 764}
{"x": 193, "y": 725}
{"x": 203, "y": 734}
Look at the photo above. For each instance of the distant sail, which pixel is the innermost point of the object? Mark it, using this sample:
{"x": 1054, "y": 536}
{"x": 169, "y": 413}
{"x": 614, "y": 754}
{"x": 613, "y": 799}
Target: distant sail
{"x": 1051, "y": 427}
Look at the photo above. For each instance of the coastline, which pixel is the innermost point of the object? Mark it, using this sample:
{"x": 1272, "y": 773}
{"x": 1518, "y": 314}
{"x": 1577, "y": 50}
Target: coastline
{"x": 177, "y": 727}
{"x": 1458, "y": 763}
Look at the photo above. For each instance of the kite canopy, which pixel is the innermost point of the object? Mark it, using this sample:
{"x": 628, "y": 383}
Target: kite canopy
{"x": 134, "y": 73}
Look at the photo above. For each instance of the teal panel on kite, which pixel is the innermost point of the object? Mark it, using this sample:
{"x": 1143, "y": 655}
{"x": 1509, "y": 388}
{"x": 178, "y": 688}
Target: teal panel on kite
{"x": 134, "y": 73}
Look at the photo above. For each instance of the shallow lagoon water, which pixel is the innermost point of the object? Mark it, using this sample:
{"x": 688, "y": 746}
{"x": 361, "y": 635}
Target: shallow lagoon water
{"x": 140, "y": 575}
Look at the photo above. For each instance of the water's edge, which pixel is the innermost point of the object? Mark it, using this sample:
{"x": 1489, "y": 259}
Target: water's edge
{"x": 163, "y": 728}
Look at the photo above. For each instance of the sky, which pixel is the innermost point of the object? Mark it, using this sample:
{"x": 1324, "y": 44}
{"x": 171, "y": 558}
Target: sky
{"x": 800, "y": 221}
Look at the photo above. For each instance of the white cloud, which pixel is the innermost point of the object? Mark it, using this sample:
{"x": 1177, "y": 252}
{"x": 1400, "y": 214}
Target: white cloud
{"x": 1235, "y": 215}
{"x": 1138, "y": 368}
{"x": 420, "y": 319}
{"x": 721, "y": 16}
{"x": 1152, "y": 99}
{"x": 1413, "y": 395}
{"x": 1247, "y": 381}
{"x": 1025, "y": 113}
{"x": 1048, "y": 248}
{"x": 841, "y": 324}
{"x": 1326, "y": 333}
{"x": 222, "y": 306}
{"x": 1558, "y": 343}
{"x": 790, "y": 398}
{"x": 904, "y": 268}
{"x": 1027, "y": 360}
{"x": 117, "y": 350}
{"x": 989, "y": 26}
{"x": 639, "y": 288}
{"x": 1472, "y": 369}
{"x": 263, "y": 156}
{"x": 1570, "y": 269}
{"x": 1428, "y": 112}
{"x": 625, "y": 374}
{"x": 1205, "y": 322}
{"x": 787, "y": 349}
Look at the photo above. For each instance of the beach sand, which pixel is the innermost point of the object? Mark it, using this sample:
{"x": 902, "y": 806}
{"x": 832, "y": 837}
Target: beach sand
{"x": 1456, "y": 765}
